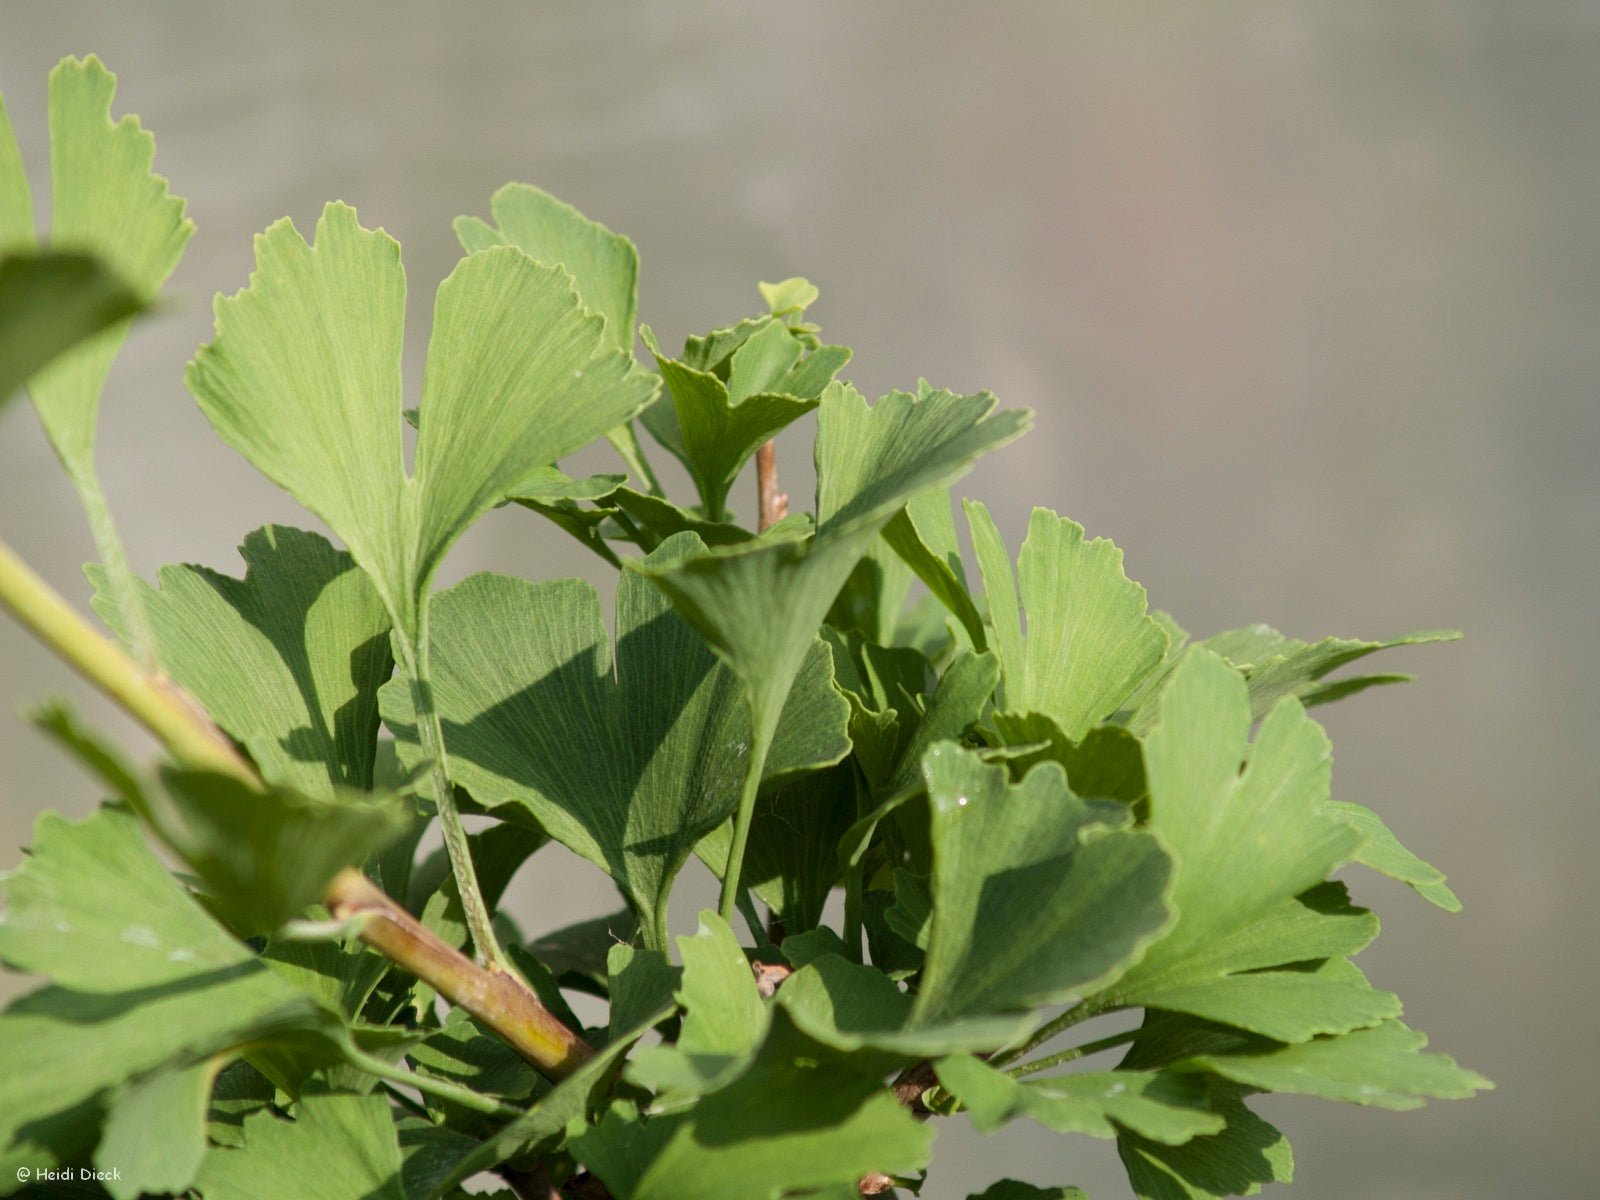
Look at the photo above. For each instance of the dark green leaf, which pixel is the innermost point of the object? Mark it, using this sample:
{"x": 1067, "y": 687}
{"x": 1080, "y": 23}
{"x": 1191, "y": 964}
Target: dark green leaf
{"x": 51, "y": 302}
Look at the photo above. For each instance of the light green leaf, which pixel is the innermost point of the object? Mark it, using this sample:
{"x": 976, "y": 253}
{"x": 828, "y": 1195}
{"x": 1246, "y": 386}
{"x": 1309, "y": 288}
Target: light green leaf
{"x": 789, "y": 297}
{"x": 798, "y": 1117}
{"x": 1090, "y": 641}
{"x": 923, "y": 534}
{"x": 1383, "y": 852}
{"x": 1163, "y": 1107}
{"x": 855, "y": 1008}
{"x": 155, "y": 1136}
{"x": 288, "y": 660}
{"x": 1268, "y": 975}
{"x": 1382, "y": 1066}
{"x": 130, "y": 955}
{"x": 518, "y": 375}
{"x": 759, "y": 604}
{"x": 724, "y": 1019}
{"x": 105, "y": 201}
{"x": 604, "y": 266}
{"x": 338, "y": 1147}
{"x": 523, "y": 680}
{"x": 16, "y": 199}
{"x": 1038, "y": 896}
{"x": 1275, "y": 666}
{"x": 1247, "y": 843}
{"x": 1236, "y": 1162}
{"x": 715, "y": 425}
{"x": 51, "y": 302}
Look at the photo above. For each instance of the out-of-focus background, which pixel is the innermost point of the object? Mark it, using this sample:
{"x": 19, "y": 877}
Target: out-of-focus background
{"x": 1306, "y": 297}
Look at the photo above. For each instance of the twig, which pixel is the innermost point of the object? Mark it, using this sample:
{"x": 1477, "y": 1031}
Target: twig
{"x": 774, "y": 504}
{"x": 497, "y": 1000}
{"x": 500, "y": 1001}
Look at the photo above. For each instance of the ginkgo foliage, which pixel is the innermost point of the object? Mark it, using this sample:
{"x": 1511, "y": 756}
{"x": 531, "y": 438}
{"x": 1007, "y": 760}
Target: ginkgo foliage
{"x": 958, "y": 810}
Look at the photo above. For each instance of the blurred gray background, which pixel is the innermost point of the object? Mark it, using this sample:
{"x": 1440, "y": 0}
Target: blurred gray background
{"x": 1306, "y": 296}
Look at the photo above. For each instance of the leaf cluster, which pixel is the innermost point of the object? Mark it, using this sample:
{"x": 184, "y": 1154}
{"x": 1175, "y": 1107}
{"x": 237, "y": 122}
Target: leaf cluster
{"x": 958, "y": 817}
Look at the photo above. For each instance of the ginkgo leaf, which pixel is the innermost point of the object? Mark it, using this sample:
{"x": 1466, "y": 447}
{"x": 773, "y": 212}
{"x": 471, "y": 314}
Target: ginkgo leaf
{"x": 856, "y": 1008}
{"x": 287, "y": 660}
{"x": 1090, "y": 640}
{"x": 16, "y": 198}
{"x": 350, "y": 1139}
{"x": 105, "y": 201}
{"x": 1248, "y": 843}
{"x": 923, "y": 534}
{"x": 524, "y": 683}
{"x": 604, "y": 265}
{"x": 1275, "y": 666}
{"x": 518, "y": 375}
{"x": 1038, "y": 896}
{"x": 798, "y": 1117}
{"x": 724, "y": 1019}
{"x": 264, "y": 852}
{"x": 51, "y": 302}
{"x": 1163, "y": 1107}
{"x": 129, "y": 954}
{"x": 1382, "y": 1066}
{"x": 1246, "y": 1154}
{"x": 155, "y": 1134}
{"x": 1384, "y": 853}
{"x": 759, "y": 604}
{"x": 715, "y": 425}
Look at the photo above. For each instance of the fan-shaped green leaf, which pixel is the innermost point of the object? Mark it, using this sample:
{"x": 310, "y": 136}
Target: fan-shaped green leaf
{"x": 303, "y": 379}
{"x": 629, "y": 770}
{"x": 337, "y": 1147}
{"x": 1383, "y": 852}
{"x": 1248, "y": 843}
{"x": 105, "y": 201}
{"x": 1163, "y": 1107}
{"x": 1381, "y": 1066}
{"x": 130, "y": 955}
{"x": 288, "y": 660}
{"x": 1090, "y": 641}
{"x": 1037, "y": 895}
{"x": 798, "y": 1117}
{"x": 1236, "y": 1162}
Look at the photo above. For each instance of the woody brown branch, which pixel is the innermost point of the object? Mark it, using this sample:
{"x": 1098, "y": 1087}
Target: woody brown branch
{"x": 774, "y": 505}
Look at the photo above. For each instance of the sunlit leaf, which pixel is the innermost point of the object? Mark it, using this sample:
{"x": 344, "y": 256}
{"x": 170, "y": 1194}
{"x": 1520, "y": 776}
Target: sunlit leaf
{"x": 1163, "y": 1107}
{"x": 1090, "y": 641}
{"x": 1038, "y": 895}
{"x": 518, "y": 376}
{"x": 288, "y": 660}
{"x": 106, "y": 201}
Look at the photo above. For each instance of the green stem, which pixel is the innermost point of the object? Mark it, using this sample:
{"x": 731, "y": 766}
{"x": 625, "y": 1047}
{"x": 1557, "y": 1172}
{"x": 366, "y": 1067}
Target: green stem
{"x": 760, "y": 744}
{"x": 431, "y": 734}
{"x": 1072, "y": 1055}
{"x": 114, "y": 556}
{"x": 429, "y": 1086}
{"x": 854, "y": 881}
{"x": 103, "y": 663}
{"x": 1073, "y": 1016}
